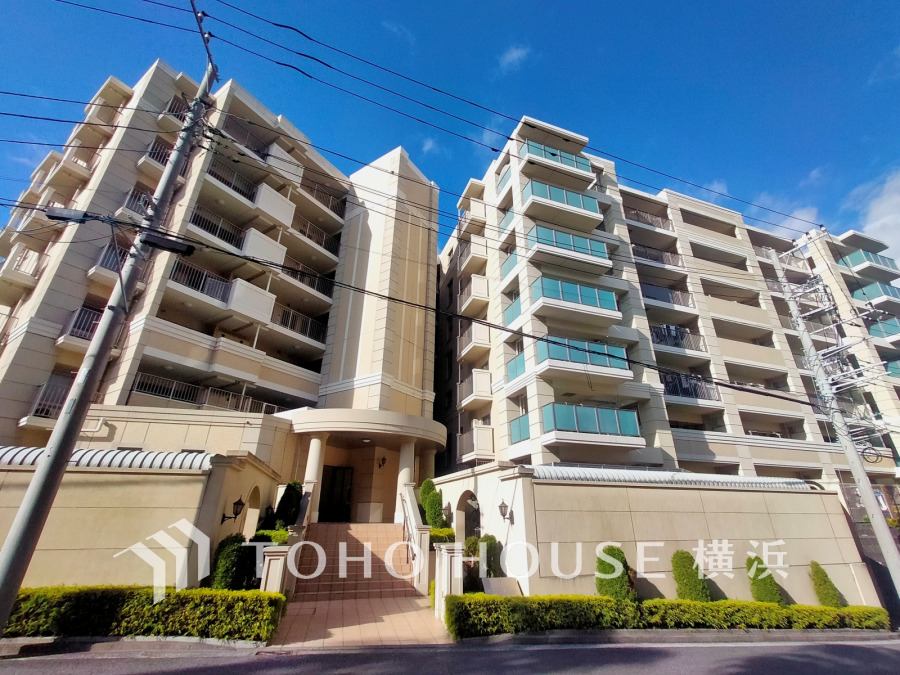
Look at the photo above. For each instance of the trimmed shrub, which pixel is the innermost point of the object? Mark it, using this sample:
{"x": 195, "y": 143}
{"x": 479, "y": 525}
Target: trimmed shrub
{"x": 479, "y": 615}
{"x": 426, "y": 489}
{"x": 763, "y": 587}
{"x": 722, "y": 614}
{"x": 431, "y": 594}
{"x": 92, "y": 611}
{"x": 690, "y": 582}
{"x": 868, "y": 618}
{"x": 826, "y": 592}
{"x": 234, "y": 565}
{"x": 492, "y": 555}
{"x": 279, "y": 537}
{"x": 288, "y": 509}
{"x": 442, "y": 535}
{"x": 808, "y": 616}
{"x": 434, "y": 513}
{"x": 620, "y": 587}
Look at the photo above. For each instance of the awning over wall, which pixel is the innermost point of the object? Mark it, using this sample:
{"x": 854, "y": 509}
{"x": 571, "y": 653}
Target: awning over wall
{"x": 112, "y": 459}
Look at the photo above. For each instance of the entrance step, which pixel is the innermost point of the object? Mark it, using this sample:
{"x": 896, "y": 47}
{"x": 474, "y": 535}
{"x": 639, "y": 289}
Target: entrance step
{"x": 330, "y": 584}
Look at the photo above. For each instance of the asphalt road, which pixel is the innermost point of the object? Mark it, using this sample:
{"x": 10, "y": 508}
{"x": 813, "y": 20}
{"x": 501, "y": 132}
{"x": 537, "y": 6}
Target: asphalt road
{"x": 794, "y": 658}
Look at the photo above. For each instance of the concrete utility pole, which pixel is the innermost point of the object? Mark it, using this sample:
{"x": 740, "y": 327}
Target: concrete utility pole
{"x": 836, "y": 415}
{"x": 31, "y": 517}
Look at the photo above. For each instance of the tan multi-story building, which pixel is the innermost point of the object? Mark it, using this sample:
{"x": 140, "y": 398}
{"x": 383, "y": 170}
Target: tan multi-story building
{"x": 272, "y": 342}
{"x": 634, "y": 295}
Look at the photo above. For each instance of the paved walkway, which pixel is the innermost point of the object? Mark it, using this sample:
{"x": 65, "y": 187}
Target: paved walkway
{"x": 360, "y": 622}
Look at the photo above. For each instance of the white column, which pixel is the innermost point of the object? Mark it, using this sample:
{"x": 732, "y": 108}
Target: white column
{"x": 405, "y": 474}
{"x": 312, "y": 479}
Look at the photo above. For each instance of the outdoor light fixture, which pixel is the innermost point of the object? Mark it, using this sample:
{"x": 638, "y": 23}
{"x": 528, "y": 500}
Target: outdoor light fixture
{"x": 447, "y": 511}
{"x": 236, "y": 509}
{"x": 504, "y": 509}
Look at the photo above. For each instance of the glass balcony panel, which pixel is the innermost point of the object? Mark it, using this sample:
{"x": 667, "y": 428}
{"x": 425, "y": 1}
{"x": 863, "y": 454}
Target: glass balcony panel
{"x": 598, "y": 355}
{"x": 621, "y": 361}
{"x": 885, "y": 329}
{"x": 547, "y": 418}
{"x": 589, "y": 297}
{"x": 590, "y": 204}
{"x": 545, "y": 236}
{"x": 578, "y": 351}
{"x": 586, "y": 419}
{"x": 507, "y": 219}
{"x": 509, "y": 263}
{"x": 512, "y": 312}
{"x": 628, "y": 424}
{"x": 564, "y": 416}
{"x": 567, "y": 158}
{"x": 559, "y": 350}
{"x": 570, "y": 292}
{"x": 598, "y": 248}
{"x": 515, "y": 367}
{"x": 581, "y": 245}
{"x": 564, "y": 240}
{"x": 557, "y": 194}
{"x": 540, "y": 190}
{"x": 519, "y": 429}
{"x": 608, "y": 421}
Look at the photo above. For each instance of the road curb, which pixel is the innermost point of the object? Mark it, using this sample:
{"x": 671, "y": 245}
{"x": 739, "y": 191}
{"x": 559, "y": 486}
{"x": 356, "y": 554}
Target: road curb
{"x": 43, "y": 646}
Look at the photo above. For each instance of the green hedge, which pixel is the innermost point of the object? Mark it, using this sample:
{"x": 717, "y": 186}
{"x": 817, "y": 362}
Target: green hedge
{"x": 279, "y": 537}
{"x": 442, "y": 535}
{"x": 763, "y": 586}
{"x": 618, "y": 587}
{"x": 826, "y": 592}
{"x": 480, "y": 615}
{"x": 91, "y": 611}
{"x": 690, "y": 582}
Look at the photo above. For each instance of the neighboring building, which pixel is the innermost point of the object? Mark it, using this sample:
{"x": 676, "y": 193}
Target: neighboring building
{"x": 292, "y": 369}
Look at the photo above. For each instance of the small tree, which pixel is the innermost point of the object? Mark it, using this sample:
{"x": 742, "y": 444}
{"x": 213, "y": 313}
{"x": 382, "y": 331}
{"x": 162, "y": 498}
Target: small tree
{"x": 426, "y": 489}
{"x": 620, "y": 587}
{"x": 763, "y": 588}
{"x": 234, "y": 565}
{"x": 434, "y": 513}
{"x": 826, "y": 591}
{"x": 690, "y": 582}
{"x": 492, "y": 555}
{"x": 288, "y": 509}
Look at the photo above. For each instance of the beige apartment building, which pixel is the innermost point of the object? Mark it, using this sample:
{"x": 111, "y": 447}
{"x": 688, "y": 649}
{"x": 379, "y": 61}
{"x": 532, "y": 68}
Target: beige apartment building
{"x": 292, "y": 367}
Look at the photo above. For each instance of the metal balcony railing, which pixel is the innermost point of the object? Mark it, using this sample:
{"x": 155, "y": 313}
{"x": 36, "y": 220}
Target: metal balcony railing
{"x": 663, "y": 294}
{"x": 657, "y": 255}
{"x": 307, "y": 276}
{"x": 113, "y": 257}
{"x": 230, "y": 178}
{"x": 323, "y": 196}
{"x": 50, "y": 399}
{"x": 159, "y": 151}
{"x": 177, "y": 108}
{"x": 786, "y": 322}
{"x": 675, "y": 384}
{"x": 676, "y": 336}
{"x": 29, "y": 262}
{"x": 649, "y": 219}
{"x": 84, "y": 323}
{"x": 7, "y": 323}
{"x": 306, "y": 229}
{"x": 240, "y": 132}
{"x": 217, "y": 226}
{"x": 138, "y": 200}
{"x": 200, "y": 280}
{"x": 203, "y": 397}
{"x": 761, "y": 252}
{"x": 466, "y": 388}
{"x": 299, "y": 323}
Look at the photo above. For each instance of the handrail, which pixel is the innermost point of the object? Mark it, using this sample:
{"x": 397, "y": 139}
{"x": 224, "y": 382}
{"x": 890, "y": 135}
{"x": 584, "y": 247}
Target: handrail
{"x": 657, "y": 255}
{"x": 676, "y": 336}
{"x": 216, "y": 225}
{"x": 315, "y": 234}
{"x": 200, "y": 280}
{"x": 321, "y": 195}
{"x": 230, "y": 178}
{"x": 241, "y": 133}
{"x": 299, "y": 323}
{"x": 307, "y": 276}
{"x": 649, "y": 219}
{"x": 418, "y": 538}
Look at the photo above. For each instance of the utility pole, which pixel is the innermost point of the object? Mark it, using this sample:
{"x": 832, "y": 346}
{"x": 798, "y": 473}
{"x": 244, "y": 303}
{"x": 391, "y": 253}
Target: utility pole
{"x": 835, "y": 414}
{"x": 23, "y": 536}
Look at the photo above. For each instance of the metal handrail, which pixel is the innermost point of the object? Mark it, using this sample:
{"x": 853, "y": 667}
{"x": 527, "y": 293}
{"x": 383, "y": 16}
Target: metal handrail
{"x": 177, "y": 108}
{"x": 29, "y": 262}
{"x": 84, "y": 323}
{"x": 138, "y": 200}
{"x": 50, "y": 400}
{"x": 774, "y": 285}
{"x": 113, "y": 257}
{"x": 676, "y": 336}
{"x": 200, "y": 280}
{"x": 321, "y": 195}
{"x": 217, "y": 226}
{"x": 315, "y": 234}
{"x": 241, "y": 133}
{"x": 159, "y": 151}
{"x": 657, "y": 255}
{"x": 299, "y": 323}
{"x": 675, "y": 384}
{"x": 203, "y": 397}
{"x": 649, "y": 219}
{"x": 230, "y": 178}
{"x": 307, "y": 276}
{"x": 663, "y": 294}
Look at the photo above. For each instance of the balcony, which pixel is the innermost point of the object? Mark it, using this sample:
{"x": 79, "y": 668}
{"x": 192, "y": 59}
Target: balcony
{"x": 644, "y": 218}
{"x": 882, "y": 296}
{"x": 48, "y": 404}
{"x": 512, "y": 312}
{"x": 473, "y": 295}
{"x": 217, "y": 295}
{"x": 892, "y": 368}
{"x": 336, "y": 206}
{"x": 574, "y": 303}
{"x": 249, "y": 242}
{"x": 677, "y": 338}
{"x": 214, "y": 224}
{"x": 546, "y": 245}
{"x": 507, "y": 219}
{"x": 763, "y": 404}
{"x": 656, "y": 255}
{"x": 503, "y": 180}
{"x": 19, "y": 273}
{"x": 155, "y": 391}
{"x": 508, "y": 265}
{"x": 889, "y": 330}
{"x": 472, "y": 254}
{"x": 319, "y": 239}
{"x": 473, "y": 219}
{"x": 79, "y": 331}
{"x": 737, "y": 311}
{"x": 154, "y": 162}
{"x": 242, "y": 133}
{"x": 768, "y": 358}
{"x": 474, "y": 342}
{"x": 551, "y": 164}
{"x": 519, "y": 429}
{"x": 685, "y": 386}
{"x": 233, "y": 180}
{"x": 476, "y": 445}
{"x": 565, "y": 207}
{"x": 566, "y": 424}
{"x": 106, "y": 271}
{"x": 871, "y": 265}
{"x": 573, "y": 363}
{"x": 242, "y": 198}
{"x": 137, "y": 202}
{"x": 174, "y": 115}
{"x": 667, "y": 295}
{"x": 515, "y": 367}
{"x": 300, "y": 324}
{"x": 308, "y": 277}
{"x": 474, "y": 391}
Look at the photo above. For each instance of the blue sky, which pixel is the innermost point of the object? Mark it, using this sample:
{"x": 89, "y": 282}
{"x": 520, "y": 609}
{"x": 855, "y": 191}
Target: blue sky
{"x": 784, "y": 104}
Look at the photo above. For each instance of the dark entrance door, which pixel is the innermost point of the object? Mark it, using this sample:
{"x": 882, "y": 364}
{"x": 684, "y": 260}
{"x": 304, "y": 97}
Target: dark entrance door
{"x": 334, "y": 503}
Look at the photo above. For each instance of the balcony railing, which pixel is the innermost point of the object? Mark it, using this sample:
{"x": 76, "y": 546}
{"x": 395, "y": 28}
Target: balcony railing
{"x": 649, "y": 219}
{"x": 240, "y": 131}
{"x": 762, "y": 252}
{"x": 892, "y": 368}
{"x": 177, "y": 108}
{"x": 545, "y": 287}
{"x": 230, "y": 178}
{"x": 568, "y": 242}
{"x": 876, "y": 290}
{"x": 84, "y": 323}
{"x": 307, "y": 276}
{"x": 554, "y": 155}
{"x": 507, "y": 266}
{"x": 663, "y": 294}
{"x": 581, "y": 351}
{"x": 465, "y": 442}
{"x": 203, "y": 397}
{"x": 657, "y": 255}
{"x": 515, "y": 367}
{"x": 519, "y": 429}
{"x": 113, "y": 257}
{"x": 774, "y": 285}
{"x": 512, "y": 312}
{"x": 503, "y": 179}
{"x": 885, "y": 329}
{"x": 676, "y": 336}
{"x": 675, "y": 384}
{"x": 507, "y": 219}
{"x": 859, "y": 257}
{"x": 299, "y": 323}
{"x": 217, "y": 226}
{"x": 560, "y": 195}
{"x": 316, "y": 235}
{"x": 585, "y": 419}
{"x": 200, "y": 280}
{"x": 467, "y": 387}
{"x": 801, "y": 362}
{"x": 50, "y": 399}
{"x": 323, "y": 196}
{"x": 29, "y": 262}
{"x": 139, "y": 200}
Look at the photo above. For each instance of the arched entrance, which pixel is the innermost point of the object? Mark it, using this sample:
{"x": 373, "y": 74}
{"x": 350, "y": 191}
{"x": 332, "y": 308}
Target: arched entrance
{"x": 252, "y": 511}
{"x": 468, "y": 516}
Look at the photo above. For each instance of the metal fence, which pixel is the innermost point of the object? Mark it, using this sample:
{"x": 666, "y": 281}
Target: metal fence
{"x": 200, "y": 280}
{"x": 299, "y": 323}
{"x": 676, "y": 384}
{"x": 240, "y": 131}
{"x": 230, "y": 178}
{"x": 649, "y": 219}
{"x": 308, "y": 276}
{"x": 662, "y": 294}
{"x": 84, "y": 323}
{"x": 323, "y": 196}
{"x": 139, "y": 200}
{"x": 50, "y": 399}
{"x": 316, "y": 235}
{"x": 657, "y": 255}
{"x": 217, "y": 226}
{"x": 676, "y": 336}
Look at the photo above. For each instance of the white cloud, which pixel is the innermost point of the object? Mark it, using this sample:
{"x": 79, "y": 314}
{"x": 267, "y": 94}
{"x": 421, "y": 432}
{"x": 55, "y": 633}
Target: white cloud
{"x": 888, "y": 69}
{"x": 709, "y": 194}
{"x": 880, "y": 214}
{"x": 512, "y": 58}
{"x": 813, "y": 178}
{"x": 429, "y": 146}
{"x": 784, "y": 216}
{"x": 400, "y": 31}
